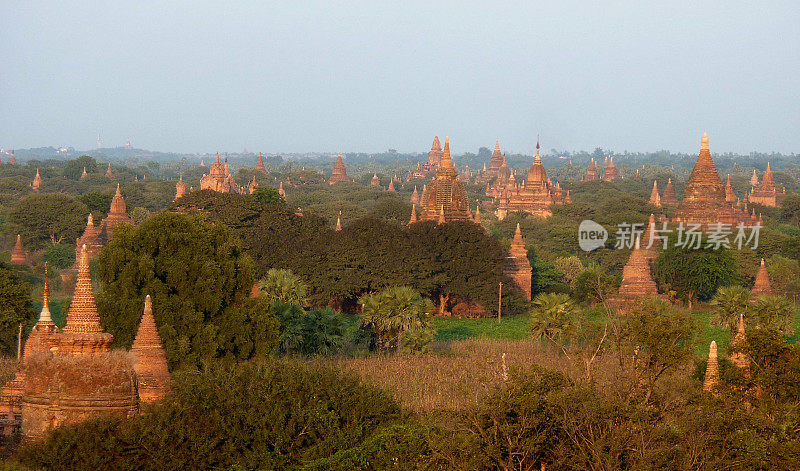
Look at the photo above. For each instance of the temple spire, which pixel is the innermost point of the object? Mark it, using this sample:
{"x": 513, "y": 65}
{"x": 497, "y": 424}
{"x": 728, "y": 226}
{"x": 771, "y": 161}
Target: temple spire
{"x": 712, "y": 370}
{"x": 413, "y": 219}
{"x": 704, "y": 146}
{"x": 150, "y": 359}
{"x": 45, "y": 316}
{"x": 339, "y": 221}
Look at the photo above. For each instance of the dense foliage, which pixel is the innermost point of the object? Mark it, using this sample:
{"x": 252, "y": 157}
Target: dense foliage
{"x": 197, "y": 276}
{"x": 15, "y": 309}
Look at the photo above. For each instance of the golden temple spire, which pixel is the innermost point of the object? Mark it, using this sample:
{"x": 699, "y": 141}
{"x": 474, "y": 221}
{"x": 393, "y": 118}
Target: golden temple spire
{"x": 712, "y": 370}
{"x": 339, "y": 221}
{"x": 704, "y": 146}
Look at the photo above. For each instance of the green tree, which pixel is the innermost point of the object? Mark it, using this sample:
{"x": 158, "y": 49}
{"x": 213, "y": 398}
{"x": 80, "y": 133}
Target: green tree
{"x": 74, "y": 168}
{"x": 660, "y": 338}
{"x": 317, "y": 332}
{"x": 15, "y": 309}
{"x": 695, "y": 273}
{"x": 790, "y": 209}
{"x": 195, "y": 272}
{"x": 98, "y": 203}
{"x": 60, "y": 256}
{"x": 283, "y": 286}
{"x": 728, "y": 304}
{"x": 553, "y": 317}
{"x": 268, "y": 195}
{"x": 394, "y": 311}
{"x": 53, "y": 218}
{"x": 784, "y": 275}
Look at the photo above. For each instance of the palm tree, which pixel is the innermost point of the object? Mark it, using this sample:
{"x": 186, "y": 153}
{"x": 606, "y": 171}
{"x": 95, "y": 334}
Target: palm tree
{"x": 553, "y": 317}
{"x": 774, "y": 311}
{"x": 728, "y": 303}
{"x": 393, "y": 311}
{"x": 284, "y": 286}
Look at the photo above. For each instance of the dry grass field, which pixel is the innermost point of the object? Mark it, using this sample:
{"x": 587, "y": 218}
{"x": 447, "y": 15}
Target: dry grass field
{"x": 455, "y": 376}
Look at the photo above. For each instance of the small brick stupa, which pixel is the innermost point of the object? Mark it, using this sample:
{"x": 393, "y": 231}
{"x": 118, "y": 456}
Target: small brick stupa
{"x": 415, "y": 196}
{"x": 150, "y": 361}
{"x": 41, "y": 338}
{"x": 767, "y": 193}
{"x": 669, "y": 198}
{"x": 375, "y": 180}
{"x": 12, "y": 160}
{"x": 117, "y": 214}
{"x": 517, "y": 266}
{"x": 610, "y": 173}
{"x": 446, "y": 199}
{"x": 637, "y": 283}
{"x": 761, "y": 287}
{"x": 37, "y": 181}
{"x": 109, "y": 173}
{"x": 83, "y": 333}
{"x": 655, "y": 198}
{"x": 339, "y": 171}
{"x": 739, "y": 343}
{"x": 591, "y": 172}
{"x": 84, "y": 175}
{"x": 712, "y": 370}
{"x": 260, "y": 164}
{"x": 414, "y": 219}
{"x": 704, "y": 197}
{"x": 18, "y": 255}
{"x": 180, "y": 188}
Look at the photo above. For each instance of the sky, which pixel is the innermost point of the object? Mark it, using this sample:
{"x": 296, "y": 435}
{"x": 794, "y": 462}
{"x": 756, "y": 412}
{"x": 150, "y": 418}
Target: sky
{"x": 307, "y": 76}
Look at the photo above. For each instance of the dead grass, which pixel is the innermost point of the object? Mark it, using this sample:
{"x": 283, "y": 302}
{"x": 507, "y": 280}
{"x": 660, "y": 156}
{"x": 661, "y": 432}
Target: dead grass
{"x": 454, "y": 378}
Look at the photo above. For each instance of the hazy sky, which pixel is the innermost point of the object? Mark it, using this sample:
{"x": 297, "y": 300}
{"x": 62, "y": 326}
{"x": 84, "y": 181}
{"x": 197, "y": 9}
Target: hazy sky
{"x": 299, "y": 76}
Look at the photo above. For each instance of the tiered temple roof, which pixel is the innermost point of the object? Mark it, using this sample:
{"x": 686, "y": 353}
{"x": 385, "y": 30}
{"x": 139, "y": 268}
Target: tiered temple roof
{"x": 219, "y": 178}
{"x": 517, "y": 265}
{"x": 655, "y": 198}
{"x": 591, "y": 172}
{"x": 767, "y": 193}
{"x": 669, "y": 198}
{"x": 534, "y": 196}
{"x": 730, "y": 196}
{"x": 12, "y": 160}
{"x": 118, "y": 214}
{"x": 637, "y": 282}
{"x": 754, "y": 179}
{"x": 37, "y": 181}
{"x": 339, "y": 172}
{"x": 446, "y": 198}
{"x": 150, "y": 361}
{"x": 704, "y": 197}
{"x": 109, "y": 173}
{"x": 260, "y": 164}
{"x": 391, "y": 186}
{"x": 761, "y": 287}
{"x": 83, "y": 333}
{"x": 375, "y": 180}
{"x": 610, "y": 173}
{"x": 415, "y": 196}
{"x": 18, "y": 255}
{"x": 490, "y": 172}
{"x": 435, "y": 155}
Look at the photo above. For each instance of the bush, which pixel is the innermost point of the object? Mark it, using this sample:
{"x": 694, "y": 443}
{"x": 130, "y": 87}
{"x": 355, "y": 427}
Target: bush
{"x": 270, "y": 415}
